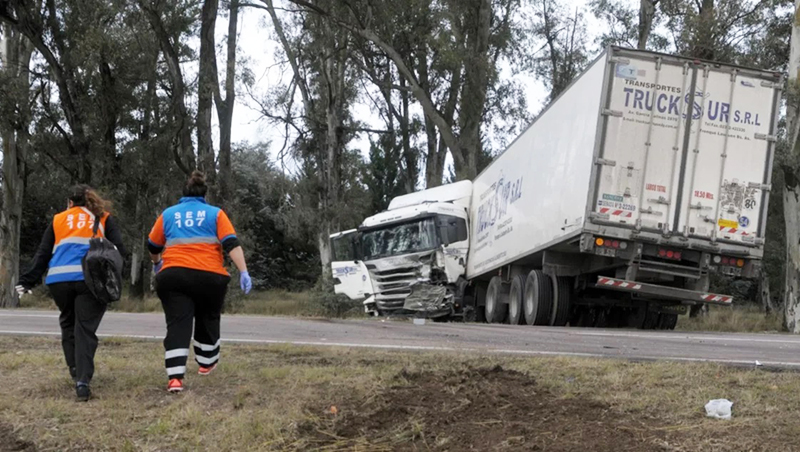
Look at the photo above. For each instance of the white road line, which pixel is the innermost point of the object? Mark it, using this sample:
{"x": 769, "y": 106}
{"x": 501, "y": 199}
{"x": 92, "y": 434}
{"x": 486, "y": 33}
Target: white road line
{"x": 49, "y": 316}
{"x": 443, "y": 349}
{"x": 678, "y": 335}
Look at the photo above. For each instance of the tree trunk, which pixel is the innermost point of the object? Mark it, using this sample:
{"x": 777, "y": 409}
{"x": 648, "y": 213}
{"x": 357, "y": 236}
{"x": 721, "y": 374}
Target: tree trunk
{"x": 15, "y": 56}
{"x": 335, "y": 63}
{"x": 647, "y": 11}
{"x": 764, "y": 292}
{"x": 206, "y": 86}
{"x": 791, "y": 190}
{"x": 473, "y": 102}
{"x": 225, "y": 108}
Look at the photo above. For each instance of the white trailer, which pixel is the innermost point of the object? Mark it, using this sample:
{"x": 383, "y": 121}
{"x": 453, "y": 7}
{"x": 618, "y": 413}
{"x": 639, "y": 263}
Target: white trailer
{"x": 649, "y": 172}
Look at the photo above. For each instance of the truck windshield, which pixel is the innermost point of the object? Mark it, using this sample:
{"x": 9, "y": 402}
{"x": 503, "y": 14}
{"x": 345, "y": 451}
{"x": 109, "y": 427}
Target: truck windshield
{"x": 400, "y": 239}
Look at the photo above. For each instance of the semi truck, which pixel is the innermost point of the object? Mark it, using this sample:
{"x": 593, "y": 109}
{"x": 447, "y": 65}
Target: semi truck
{"x": 614, "y": 207}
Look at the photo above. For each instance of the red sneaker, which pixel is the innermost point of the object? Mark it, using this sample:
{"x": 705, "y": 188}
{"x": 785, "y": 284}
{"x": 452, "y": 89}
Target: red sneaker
{"x": 175, "y": 385}
{"x": 203, "y": 370}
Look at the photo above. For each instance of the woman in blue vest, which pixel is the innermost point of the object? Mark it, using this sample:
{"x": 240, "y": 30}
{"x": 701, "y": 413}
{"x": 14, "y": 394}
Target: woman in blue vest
{"x": 63, "y": 246}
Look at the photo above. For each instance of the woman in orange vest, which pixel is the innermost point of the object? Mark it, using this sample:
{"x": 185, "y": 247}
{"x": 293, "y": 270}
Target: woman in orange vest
{"x": 186, "y": 246}
{"x": 63, "y": 246}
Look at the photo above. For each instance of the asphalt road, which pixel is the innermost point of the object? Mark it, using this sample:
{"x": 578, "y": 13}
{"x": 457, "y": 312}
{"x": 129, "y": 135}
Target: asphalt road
{"x": 772, "y": 350}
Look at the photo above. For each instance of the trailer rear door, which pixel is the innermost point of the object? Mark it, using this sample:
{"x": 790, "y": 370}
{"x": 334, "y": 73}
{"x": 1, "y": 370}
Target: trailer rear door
{"x": 667, "y": 164}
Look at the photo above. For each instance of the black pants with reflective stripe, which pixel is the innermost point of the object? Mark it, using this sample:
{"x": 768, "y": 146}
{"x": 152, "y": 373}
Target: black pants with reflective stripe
{"x": 191, "y": 298}
{"x": 80, "y": 317}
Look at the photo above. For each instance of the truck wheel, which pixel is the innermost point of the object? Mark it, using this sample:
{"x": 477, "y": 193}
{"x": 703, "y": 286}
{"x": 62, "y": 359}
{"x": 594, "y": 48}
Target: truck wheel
{"x": 497, "y": 301}
{"x": 562, "y": 294}
{"x": 588, "y": 317}
{"x": 480, "y": 303}
{"x": 537, "y": 298}
{"x": 515, "y": 300}
{"x": 603, "y": 318}
{"x": 667, "y": 321}
{"x": 644, "y": 319}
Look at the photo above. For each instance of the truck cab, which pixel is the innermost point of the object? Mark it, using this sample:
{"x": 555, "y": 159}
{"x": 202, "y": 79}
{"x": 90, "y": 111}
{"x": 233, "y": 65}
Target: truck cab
{"x": 411, "y": 259}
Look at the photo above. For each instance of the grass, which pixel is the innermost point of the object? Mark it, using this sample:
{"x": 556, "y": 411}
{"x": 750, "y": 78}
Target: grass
{"x": 299, "y": 398}
{"x": 273, "y": 303}
{"x": 737, "y": 319}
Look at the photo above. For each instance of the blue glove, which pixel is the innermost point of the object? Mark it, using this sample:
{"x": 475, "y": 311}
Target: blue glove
{"x": 157, "y": 266}
{"x": 245, "y": 282}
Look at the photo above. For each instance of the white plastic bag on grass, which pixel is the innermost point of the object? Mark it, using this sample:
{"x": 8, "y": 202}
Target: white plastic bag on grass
{"x": 719, "y": 409}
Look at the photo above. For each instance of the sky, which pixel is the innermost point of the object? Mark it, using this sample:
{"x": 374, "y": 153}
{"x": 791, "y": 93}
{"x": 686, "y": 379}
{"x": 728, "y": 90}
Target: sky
{"x": 259, "y": 51}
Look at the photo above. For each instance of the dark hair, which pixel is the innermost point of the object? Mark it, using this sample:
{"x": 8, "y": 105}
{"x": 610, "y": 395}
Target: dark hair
{"x": 196, "y": 185}
{"x": 85, "y": 196}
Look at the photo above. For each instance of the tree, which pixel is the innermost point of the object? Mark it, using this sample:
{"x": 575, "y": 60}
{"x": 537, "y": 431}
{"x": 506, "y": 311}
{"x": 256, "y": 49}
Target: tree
{"x": 484, "y": 26}
{"x": 320, "y": 60}
{"x": 629, "y": 26}
{"x": 15, "y": 117}
{"x": 791, "y": 188}
{"x": 564, "y": 50}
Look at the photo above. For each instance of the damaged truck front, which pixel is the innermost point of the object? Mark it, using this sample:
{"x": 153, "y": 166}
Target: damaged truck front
{"x": 411, "y": 259}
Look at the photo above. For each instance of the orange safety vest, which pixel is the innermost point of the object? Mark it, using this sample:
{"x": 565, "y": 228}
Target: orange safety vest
{"x": 73, "y": 229}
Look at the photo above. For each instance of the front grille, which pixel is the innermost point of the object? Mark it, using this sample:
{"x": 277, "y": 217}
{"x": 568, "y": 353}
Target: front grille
{"x": 392, "y": 287}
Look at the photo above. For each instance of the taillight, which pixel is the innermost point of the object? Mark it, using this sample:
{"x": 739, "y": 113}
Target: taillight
{"x": 610, "y": 243}
{"x": 669, "y": 254}
{"x": 729, "y": 261}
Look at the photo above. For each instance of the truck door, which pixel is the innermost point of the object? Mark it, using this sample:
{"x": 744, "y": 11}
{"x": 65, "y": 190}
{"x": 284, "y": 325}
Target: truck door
{"x": 350, "y": 275}
{"x": 730, "y": 148}
{"x": 641, "y": 150}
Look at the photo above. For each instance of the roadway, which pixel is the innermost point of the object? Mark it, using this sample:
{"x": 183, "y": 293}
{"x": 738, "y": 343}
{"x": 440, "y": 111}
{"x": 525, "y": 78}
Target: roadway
{"x": 772, "y": 350}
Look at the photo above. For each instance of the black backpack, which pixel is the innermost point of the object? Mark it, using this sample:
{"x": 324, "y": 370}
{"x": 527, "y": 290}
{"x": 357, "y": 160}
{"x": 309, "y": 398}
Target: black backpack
{"x": 102, "y": 268}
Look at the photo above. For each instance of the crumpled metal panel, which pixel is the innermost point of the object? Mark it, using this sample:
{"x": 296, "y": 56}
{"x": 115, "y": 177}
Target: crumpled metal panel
{"x": 425, "y": 298}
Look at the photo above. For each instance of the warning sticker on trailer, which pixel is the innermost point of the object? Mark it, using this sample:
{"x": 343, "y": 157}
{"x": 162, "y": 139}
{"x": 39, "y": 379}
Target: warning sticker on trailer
{"x": 614, "y": 206}
{"x": 728, "y": 223}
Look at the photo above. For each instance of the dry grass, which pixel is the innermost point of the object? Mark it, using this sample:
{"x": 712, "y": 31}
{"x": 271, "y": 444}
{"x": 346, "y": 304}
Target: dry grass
{"x": 273, "y": 302}
{"x": 280, "y": 398}
{"x": 737, "y": 319}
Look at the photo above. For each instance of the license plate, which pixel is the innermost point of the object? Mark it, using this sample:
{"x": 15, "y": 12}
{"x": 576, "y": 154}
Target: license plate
{"x": 609, "y": 252}
{"x": 673, "y": 309}
{"x": 731, "y": 271}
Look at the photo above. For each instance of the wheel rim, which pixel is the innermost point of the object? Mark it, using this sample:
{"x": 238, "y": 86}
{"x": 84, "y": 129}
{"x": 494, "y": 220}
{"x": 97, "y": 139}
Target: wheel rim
{"x": 530, "y": 297}
{"x": 491, "y": 295}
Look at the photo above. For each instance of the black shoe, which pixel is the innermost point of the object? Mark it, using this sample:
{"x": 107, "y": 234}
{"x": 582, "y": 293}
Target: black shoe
{"x": 83, "y": 392}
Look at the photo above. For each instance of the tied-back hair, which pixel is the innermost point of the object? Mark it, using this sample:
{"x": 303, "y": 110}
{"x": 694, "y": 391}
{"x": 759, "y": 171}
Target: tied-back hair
{"x": 85, "y": 196}
{"x": 196, "y": 185}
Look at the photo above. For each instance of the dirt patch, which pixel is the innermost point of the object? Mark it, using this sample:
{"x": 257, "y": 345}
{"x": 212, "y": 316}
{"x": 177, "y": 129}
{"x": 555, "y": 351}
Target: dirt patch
{"x": 483, "y": 409}
{"x": 10, "y": 442}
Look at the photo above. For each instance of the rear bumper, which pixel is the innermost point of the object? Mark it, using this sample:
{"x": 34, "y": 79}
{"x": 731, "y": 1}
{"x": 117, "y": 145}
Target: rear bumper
{"x": 662, "y": 292}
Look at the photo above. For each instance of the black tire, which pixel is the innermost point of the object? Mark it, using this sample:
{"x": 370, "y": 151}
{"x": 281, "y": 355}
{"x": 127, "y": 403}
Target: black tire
{"x": 575, "y": 315}
{"x": 603, "y": 319}
{"x": 644, "y": 319}
{"x": 515, "y": 300}
{"x": 480, "y": 303}
{"x": 562, "y": 294}
{"x": 588, "y": 317}
{"x": 537, "y": 299}
{"x": 667, "y": 321}
{"x": 497, "y": 301}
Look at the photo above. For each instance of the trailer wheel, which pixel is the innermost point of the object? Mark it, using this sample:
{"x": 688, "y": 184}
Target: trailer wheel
{"x": 667, "y": 321}
{"x": 588, "y": 317}
{"x": 515, "y": 300}
{"x": 603, "y": 319}
{"x": 480, "y": 303}
{"x": 562, "y": 294}
{"x": 537, "y": 298}
{"x": 497, "y": 301}
{"x": 643, "y": 318}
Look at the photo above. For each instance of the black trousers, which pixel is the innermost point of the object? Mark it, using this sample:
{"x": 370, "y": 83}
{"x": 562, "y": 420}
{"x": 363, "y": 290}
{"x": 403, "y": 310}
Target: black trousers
{"x": 80, "y": 317}
{"x": 191, "y": 298}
